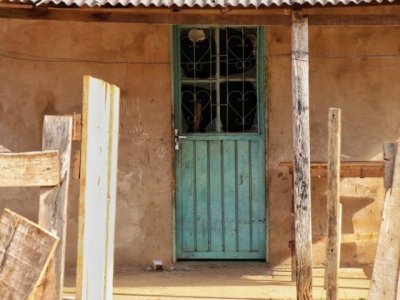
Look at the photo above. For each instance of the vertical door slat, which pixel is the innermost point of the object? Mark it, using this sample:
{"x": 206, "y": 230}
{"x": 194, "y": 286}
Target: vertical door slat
{"x": 243, "y": 187}
{"x": 229, "y": 196}
{"x": 201, "y": 195}
{"x": 255, "y": 209}
{"x": 216, "y": 211}
{"x": 187, "y": 192}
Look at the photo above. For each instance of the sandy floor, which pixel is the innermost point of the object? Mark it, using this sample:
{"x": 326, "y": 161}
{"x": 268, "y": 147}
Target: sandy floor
{"x": 225, "y": 281}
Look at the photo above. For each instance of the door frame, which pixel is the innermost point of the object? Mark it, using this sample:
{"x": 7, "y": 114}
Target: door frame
{"x": 262, "y": 115}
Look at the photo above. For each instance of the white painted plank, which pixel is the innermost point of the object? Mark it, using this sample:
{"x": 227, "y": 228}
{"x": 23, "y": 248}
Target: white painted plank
{"x": 99, "y": 151}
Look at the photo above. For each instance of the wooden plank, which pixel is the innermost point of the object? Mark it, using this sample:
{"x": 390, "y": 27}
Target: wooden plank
{"x": 389, "y": 153}
{"x": 148, "y": 16}
{"x": 188, "y": 192}
{"x": 301, "y": 148}
{"x": 386, "y": 265}
{"x": 347, "y": 169}
{"x": 244, "y": 196}
{"x": 233, "y": 16}
{"x": 257, "y": 188}
{"x": 25, "y": 251}
{"x": 201, "y": 196}
{"x": 29, "y": 169}
{"x": 348, "y": 238}
{"x": 215, "y": 196}
{"x": 76, "y": 164}
{"x": 99, "y": 150}
{"x": 333, "y": 194}
{"x": 77, "y": 127}
{"x": 339, "y": 246}
{"x": 230, "y": 195}
{"x": 354, "y": 171}
{"x": 398, "y": 288}
{"x": 340, "y": 221}
{"x": 292, "y": 243}
{"x": 57, "y": 135}
{"x": 355, "y": 20}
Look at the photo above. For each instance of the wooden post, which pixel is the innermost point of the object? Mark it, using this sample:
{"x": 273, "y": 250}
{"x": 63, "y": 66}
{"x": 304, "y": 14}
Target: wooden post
{"x": 301, "y": 146}
{"x": 57, "y": 135}
{"x": 398, "y": 288}
{"x": 97, "y": 203}
{"x": 333, "y": 243}
{"x": 386, "y": 266}
{"x": 292, "y": 243}
{"x": 340, "y": 219}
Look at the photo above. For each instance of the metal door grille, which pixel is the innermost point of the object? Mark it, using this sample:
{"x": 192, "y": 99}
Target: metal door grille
{"x": 218, "y": 80}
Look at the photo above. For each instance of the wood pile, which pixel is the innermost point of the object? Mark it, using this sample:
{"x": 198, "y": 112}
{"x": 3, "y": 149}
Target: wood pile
{"x": 32, "y": 255}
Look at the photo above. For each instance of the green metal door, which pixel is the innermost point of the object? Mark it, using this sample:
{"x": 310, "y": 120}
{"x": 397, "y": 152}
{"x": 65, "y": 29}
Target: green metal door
{"x": 220, "y": 142}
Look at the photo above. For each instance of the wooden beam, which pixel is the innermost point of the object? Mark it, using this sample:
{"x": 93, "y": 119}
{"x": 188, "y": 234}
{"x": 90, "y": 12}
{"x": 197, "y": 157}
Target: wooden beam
{"x": 77, "y": 127}
{"x": 99, "y": 150}
{"x": 25, "y": 251}
{"x": 340, "y": 222}
{"x": 29, "y": 169}
{"x": 57, "y": 135}
{"x": 398, "y": 288}
{"x": 76, "y": 164}
{"x": 292, "y": 243}
{"x": 301, "y": 149}
{"x": 389, "y": 155}
{"x": 386, "y": 266}
{"x": 348, "y": 238}
{"x": 166, "y": 16}
{"x": 355, "y": 169}
{"x": 227, "y": 16}
{"x": 333, "y": 198}
{"x": 354, "y": 20}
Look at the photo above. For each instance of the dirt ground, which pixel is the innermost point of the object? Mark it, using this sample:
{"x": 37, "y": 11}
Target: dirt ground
{"x": 225, "y": 281}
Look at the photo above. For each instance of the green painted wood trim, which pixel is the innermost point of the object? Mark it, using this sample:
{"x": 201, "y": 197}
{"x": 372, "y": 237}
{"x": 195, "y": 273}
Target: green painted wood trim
{"x": 176, "y": 75}
{"x": 178, "y": 157}
{"x": 222, "y": 255}
{"x": 263, "y": 114}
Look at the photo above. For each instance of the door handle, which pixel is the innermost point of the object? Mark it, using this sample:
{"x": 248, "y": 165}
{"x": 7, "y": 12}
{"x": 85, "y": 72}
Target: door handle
{"x": 177, "y": 138}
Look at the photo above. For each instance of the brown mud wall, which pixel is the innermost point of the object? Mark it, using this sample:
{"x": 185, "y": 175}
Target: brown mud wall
{"x": 355, "y": 69}
{"x": 31, "y": 88}
{"x": 365, "y": 89}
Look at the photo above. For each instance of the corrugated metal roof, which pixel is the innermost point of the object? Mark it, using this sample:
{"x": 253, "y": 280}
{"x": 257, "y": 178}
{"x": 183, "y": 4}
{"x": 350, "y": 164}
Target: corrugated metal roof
{"x": 206, "y": 3}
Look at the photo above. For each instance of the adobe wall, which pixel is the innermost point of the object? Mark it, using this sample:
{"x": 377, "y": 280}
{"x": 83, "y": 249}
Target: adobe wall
{"x": 364, "y": 88}
{"x": 31, "y": 89}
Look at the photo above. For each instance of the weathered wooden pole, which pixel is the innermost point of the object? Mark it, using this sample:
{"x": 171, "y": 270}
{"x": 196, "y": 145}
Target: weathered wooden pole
{"x": 333, "y": 243}
{"x": 386, "y": 265}
{"x": 301, "y": 147}
{"x": 57, "y": 135}
{"x": 398, "y": 288}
